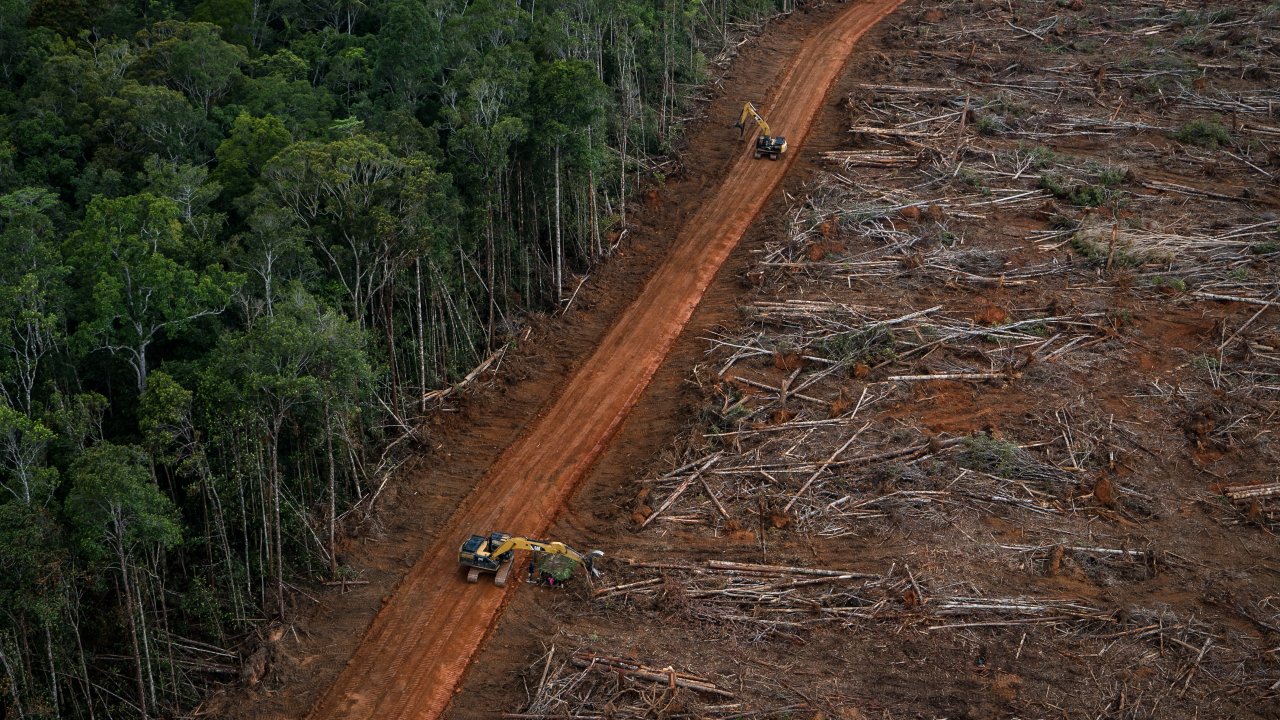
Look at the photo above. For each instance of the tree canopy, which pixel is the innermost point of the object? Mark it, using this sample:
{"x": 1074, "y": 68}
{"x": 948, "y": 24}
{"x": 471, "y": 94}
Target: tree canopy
{"x": 242, "y": 242}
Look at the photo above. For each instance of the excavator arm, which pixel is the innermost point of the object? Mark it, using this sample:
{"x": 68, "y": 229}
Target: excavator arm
{"x": 493, "y": 554}
{"x": 551, "y": 548}
{"x": 767, "y": 144}
{"x": 749, "y": 110}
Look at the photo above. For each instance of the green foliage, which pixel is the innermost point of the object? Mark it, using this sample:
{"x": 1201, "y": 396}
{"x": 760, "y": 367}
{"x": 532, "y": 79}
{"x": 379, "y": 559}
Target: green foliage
{"x": 1177, "y": 285}
{"x": 115, "y": 507}
{"x": 130, "y": 255}
{"x": 1082, "y": 194}
{"x": 234, "y": 17}
{"x": 23, "y": 469}
{"x": 868, "y": 345}
{"x": 1204, "y": 132}
{"x": 164, "y": 418}
{"x": 192, "y": 58}
{"x": 305, "y": 110}
{"x": 251, "y": 142}
{"x": 1043, "y": 157}
{"x": 994, "y": 456}
{"x": 989, "y": 125}
{"x": 289, "y": 220}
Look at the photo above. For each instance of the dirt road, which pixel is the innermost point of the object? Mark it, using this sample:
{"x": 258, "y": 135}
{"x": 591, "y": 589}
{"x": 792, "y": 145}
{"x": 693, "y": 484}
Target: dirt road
{"x": 415, "y": 652}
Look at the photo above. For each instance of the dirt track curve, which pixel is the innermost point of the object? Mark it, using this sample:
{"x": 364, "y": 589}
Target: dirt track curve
{"x": 416, "y": 650}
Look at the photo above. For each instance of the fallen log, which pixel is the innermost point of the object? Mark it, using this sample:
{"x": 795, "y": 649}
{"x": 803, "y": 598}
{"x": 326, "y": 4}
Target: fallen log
{"x": 670, "y": 677}
{"x": 628, "y": 586}
{"x": 826, "y": 464}
{"x": 1245, "y": 492}
{"x": 784, "y": 569}
{"x": 680, "y": 490}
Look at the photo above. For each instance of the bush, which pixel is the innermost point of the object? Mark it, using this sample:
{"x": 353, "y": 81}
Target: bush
{"x": 859, "y": 346}
{"x": 1206, "y": 133}
{"x": 1082, "y": 194}
{"x": 991, "y": 455}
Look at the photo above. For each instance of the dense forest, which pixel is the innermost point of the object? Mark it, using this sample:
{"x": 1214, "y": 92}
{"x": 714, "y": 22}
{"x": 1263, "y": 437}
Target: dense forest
{"x": 241, "y": 240}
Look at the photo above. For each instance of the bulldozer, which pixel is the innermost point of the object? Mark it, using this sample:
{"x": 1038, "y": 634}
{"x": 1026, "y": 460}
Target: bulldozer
{"x": 494, "y": 553}
{"x": 774, "y": 146}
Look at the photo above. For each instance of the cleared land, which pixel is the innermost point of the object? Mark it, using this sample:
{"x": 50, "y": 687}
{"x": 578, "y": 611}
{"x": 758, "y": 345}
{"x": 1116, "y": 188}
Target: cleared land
{"x": 997, "y": 412}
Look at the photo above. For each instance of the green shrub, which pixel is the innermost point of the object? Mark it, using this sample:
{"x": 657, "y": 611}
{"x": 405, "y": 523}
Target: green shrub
{"x": 1043, "y": 157}
{"x": 1206, "y": 133}
{"x": 1111, "y": 177}
{"x": 868, "y": 345}
{"x": 991, "y": 455}
{"x": 989, "y": 125}
{"x": 1176, "y": 284}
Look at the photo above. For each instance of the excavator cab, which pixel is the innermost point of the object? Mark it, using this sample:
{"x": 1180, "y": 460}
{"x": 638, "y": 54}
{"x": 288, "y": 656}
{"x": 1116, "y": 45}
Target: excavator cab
{"x": 477, "y": 552}
{"x": 772, "y": 146}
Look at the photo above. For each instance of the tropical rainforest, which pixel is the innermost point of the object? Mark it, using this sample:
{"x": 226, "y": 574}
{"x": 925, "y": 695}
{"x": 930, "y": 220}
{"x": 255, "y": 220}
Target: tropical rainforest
{"x": 240, "y": 241}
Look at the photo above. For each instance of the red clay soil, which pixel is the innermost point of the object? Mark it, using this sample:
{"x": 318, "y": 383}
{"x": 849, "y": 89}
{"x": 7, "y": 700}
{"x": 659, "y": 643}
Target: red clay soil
{"x": 415, "y": 653}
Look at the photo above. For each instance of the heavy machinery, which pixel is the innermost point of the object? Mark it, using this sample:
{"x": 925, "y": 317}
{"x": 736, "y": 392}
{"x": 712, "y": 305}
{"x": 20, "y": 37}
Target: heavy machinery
{"x": 766, "y": 144}
{"x": 495, "y": 552}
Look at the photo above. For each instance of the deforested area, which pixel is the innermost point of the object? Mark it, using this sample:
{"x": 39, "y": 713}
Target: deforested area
{"x": 992, "y": 433}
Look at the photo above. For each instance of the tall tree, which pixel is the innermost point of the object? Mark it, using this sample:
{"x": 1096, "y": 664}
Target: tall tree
{"x": 193, "y": 58}
{"x": 130, "y": 253}
{"x": 121, "y": 519}
{"x": 30, "y": 292}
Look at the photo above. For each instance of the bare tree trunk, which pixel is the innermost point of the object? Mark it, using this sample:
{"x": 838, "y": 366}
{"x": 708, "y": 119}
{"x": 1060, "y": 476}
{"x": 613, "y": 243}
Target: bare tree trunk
{"x": 53, "y": 671}
{"x": 13, "y": 682}
{"x": 388, "y": 304}
{"x": 597, "y": 250}
{"x": 127, "y": 587}
{"x": 622, "y": 176}
{"x": 493, "y": 301}
{"x": 333, "y": 482}
{"x": 422, "y": 341}
{"x": 559, "y": 271}
{"x": 278, "y": 554}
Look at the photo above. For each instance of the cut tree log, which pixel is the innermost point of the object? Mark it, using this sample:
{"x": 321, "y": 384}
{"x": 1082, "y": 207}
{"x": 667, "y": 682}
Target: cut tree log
{"x": 668, "y": 676}
{"x": 1245, "y": 492}
{"x": 823, "y": 466}
{"x": 680, "y": 489}
{"x": 784, "y": 569}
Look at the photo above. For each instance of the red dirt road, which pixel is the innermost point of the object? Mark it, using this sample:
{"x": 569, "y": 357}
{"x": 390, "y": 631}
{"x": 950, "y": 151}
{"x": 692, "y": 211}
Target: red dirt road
{"x": 418, "y": 647}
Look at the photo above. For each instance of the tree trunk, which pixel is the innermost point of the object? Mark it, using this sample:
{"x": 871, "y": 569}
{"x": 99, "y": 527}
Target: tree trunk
{"x": 622, "y": 176}
{"x": 559, "y": 271}
{"x": 388, "y": 312}
{"x": 277, "y": 560}
{"x": 422, "y": 339}
{"x": 53, "y": 671}
{"x": 488, "y": 231}
{"x": 13, "y": 682}
{"x": 597, "y": 251}
{"x": 333, "y": 482}
{"x": 127, "y": 588}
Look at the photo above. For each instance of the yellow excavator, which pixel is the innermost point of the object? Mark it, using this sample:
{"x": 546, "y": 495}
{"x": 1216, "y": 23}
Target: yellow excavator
{"x": 493, "y": 553}
{"x": 766, "y": 144}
